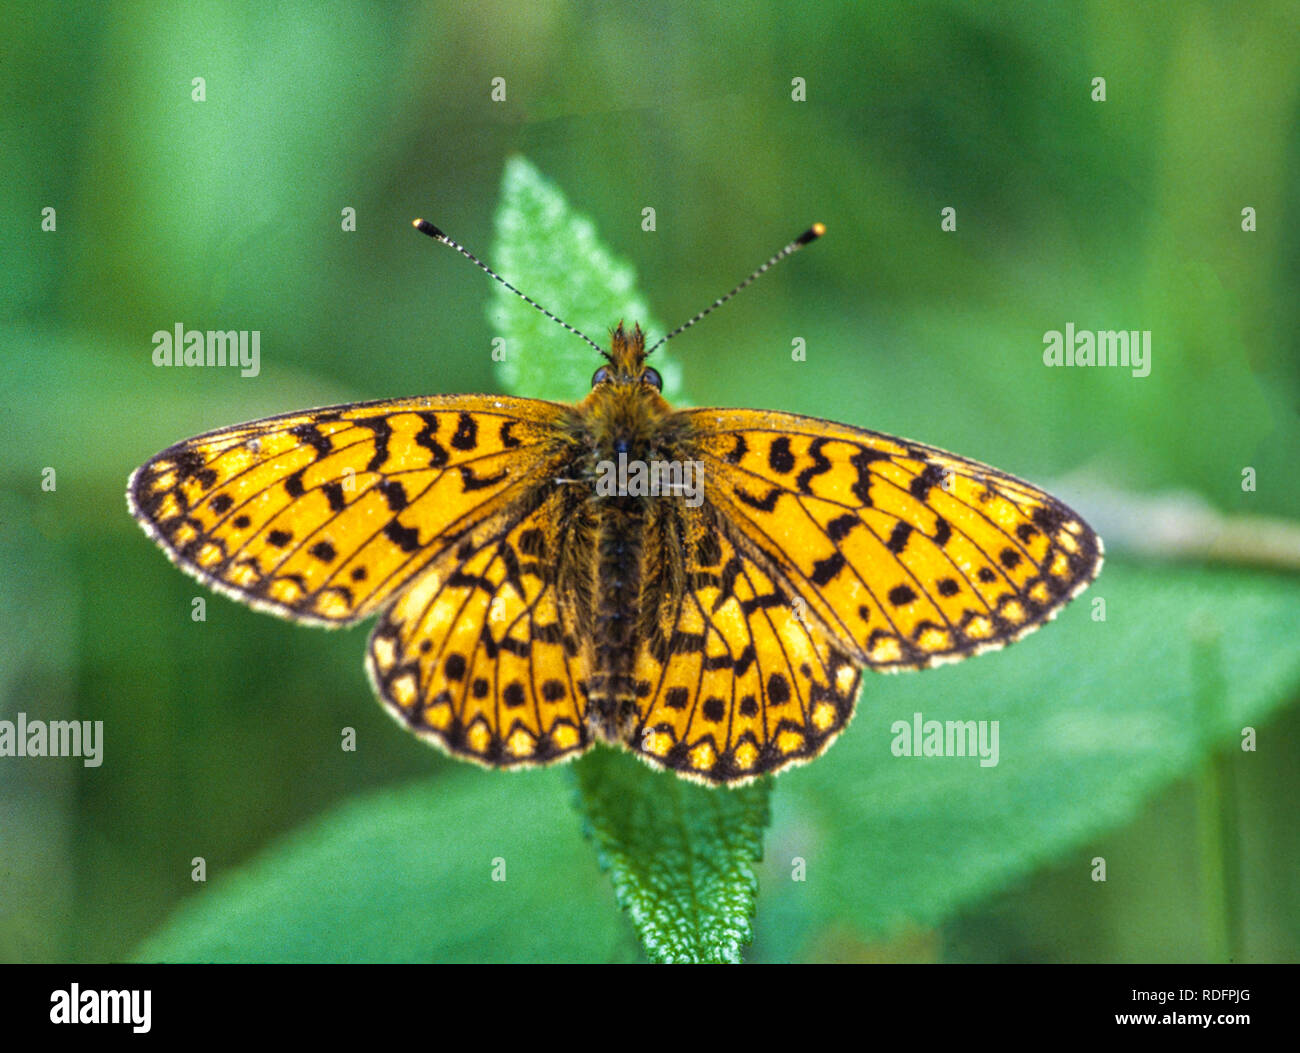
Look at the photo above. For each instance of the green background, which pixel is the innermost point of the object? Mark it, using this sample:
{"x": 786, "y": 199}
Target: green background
{"x": 223, "y": 736}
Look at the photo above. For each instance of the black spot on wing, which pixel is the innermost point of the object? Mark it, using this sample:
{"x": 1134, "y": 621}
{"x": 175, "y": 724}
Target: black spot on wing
{"x": 930, "y": 477}
{"x": 839, "y": 527}
{"x": 404, "y": 537}
{"x": 861, "y": 462}
{"x": 309, "y": 435}
{"x": 466, "y": 435}
{"x": 779, "y": 457}
{"x": 898, "y": 537}
{"x": 901, "y": 595}
{"x": 737, "y": 453}
{"x": 333, "y": 492}
{"x": 761, "y": 603}
{"x": 470, "y": 481}
{"x": 820, "y": 464}
{"x": 778, "y": 689}
{"x": 942, "y": 531}
{"x": 1047, "y": 518}
{"x": 188, "y": 464}
{"x": 824, "y": 570}
{"x": 382, "y": 432}
{"x": 766, "y": 503}
{"x": 394, "y": 493}
{"x": 438, "y": 455}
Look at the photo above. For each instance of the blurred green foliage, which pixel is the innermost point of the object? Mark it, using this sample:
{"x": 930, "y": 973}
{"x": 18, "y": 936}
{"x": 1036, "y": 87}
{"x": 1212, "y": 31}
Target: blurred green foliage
{"x": 222, "y": 736}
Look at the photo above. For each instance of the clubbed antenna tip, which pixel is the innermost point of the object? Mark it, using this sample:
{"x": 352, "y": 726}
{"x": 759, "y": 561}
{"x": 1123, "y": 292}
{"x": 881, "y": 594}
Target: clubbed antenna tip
{"x": 425, "y": 227}
{"x": 811, "y": 234}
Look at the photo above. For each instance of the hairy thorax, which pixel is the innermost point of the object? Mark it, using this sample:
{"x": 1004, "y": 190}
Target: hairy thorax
{"x": 623, "y": 540}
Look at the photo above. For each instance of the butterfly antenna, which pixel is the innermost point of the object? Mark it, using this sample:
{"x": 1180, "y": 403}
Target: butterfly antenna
{"x": 811, "y": 234}
{"x": 425, "y": 227}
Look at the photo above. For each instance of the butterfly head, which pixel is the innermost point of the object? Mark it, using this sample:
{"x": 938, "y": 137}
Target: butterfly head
{"x": 627, "y": 362}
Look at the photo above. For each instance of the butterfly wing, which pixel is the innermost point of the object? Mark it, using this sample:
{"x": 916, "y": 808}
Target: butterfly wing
{"x": 905, "y": 555}
{"x": 322, "y": 516}
{"x": 734, "y": 680}
{"x": 477, "y": 655}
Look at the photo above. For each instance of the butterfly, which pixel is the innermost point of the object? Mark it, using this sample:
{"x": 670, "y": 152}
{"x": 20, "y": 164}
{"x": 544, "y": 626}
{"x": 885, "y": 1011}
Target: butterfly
{"x": 702, "y": 587}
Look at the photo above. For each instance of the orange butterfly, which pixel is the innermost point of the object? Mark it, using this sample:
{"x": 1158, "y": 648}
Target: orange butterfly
{"x": 702, "y": 587}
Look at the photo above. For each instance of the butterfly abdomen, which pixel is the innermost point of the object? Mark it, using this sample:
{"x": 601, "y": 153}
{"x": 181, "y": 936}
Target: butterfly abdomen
{"x": 620, "y": 428}
{"x": 616, "y": 607}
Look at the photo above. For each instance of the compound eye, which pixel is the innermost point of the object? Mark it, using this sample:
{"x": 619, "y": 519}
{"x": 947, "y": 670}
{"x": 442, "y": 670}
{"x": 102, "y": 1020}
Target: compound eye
{"x": 600, "y": 376}
{"x": 652, "y": 377}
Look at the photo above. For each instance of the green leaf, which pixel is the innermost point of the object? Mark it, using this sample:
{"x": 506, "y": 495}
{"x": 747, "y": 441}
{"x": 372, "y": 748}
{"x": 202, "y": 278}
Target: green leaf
{"x": 681, "y": 856}
{"x": 552, "y": 253}
{"x": 1094, "y": 718}
{"x": 473, "y": 866}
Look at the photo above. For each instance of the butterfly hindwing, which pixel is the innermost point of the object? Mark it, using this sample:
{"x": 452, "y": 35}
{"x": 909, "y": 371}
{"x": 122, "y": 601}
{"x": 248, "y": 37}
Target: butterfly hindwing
{"x": 321, "y": 516}
{"x": 904, "y": 554}
{"x": 734, "y": 682}
{"x": 477, "y": 656}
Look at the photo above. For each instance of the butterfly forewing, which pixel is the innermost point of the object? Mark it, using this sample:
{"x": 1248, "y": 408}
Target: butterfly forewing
{"x": 904, "y": 554}
{"x": 322, "y": 516}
